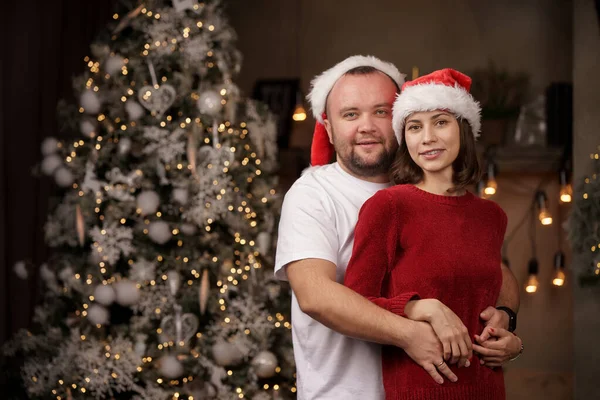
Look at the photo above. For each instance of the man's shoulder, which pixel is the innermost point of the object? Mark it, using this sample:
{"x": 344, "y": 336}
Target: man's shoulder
{"x": 315, "y": 181}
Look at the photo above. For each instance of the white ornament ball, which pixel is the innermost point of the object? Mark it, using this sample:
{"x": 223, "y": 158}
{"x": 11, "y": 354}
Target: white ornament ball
{"x": 127, "y": 293}
{"x": 263, "y": 240}
{"x": 90, "y": 101}
{"x": 50, "y": 164}
{"x": 21, "y": 269}
{"x": 188, "y": 229}
{"x": 114, "y": 64}
{"x": 98, "y": 314}
{"x": 134, "y": 110}
{"x": 180, "y": 195}
{"x": 170, "y": 367}
{"x": 226, "y": 353}
{"x": 45, "y": 272}
{"x": 265, "y": 364}
{"x": 87, "y": 128}
{"x": 124, "y": 146}
{"x": 104, "y": 294}
{"x": 209, "y": 102}
{"x": 159, "y": 232}
{"x": 148, "y": 202}
{"x": 63, "y": 177}
{"x": 49, "y": 146}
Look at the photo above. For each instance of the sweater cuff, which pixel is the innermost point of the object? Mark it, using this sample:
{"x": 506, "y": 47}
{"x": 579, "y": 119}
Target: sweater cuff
{"x": 398, "y": 303}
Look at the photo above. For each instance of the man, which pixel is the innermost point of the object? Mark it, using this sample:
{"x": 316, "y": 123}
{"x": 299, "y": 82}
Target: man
{"x": 352, "y": 103}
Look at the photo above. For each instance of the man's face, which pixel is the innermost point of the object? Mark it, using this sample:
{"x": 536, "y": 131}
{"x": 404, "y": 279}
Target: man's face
{"x": 359, "y": 123}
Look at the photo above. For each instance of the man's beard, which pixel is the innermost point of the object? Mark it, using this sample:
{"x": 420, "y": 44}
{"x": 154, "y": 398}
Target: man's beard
{"x": 359, "y": 167}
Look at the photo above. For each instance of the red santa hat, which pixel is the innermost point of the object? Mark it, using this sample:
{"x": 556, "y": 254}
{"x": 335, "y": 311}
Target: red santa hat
{"x": 445, "y": 89}
{"x": 322, "y": 150}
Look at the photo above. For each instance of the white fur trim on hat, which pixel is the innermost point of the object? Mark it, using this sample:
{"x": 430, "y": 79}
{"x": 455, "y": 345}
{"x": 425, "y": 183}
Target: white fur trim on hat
{"x": 431, "y": 97}
{"x": 322, "y": 84}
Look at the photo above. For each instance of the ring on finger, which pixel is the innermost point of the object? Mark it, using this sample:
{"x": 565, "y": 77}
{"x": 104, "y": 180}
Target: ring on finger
{"x": 440, "y": 364}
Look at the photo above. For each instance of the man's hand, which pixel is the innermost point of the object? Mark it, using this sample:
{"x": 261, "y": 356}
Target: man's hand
{"x": 448, "y": 327}
{"x": 424, "y": 347}
{"x": 500, "y": 347}
{"x": 493, "y": 318}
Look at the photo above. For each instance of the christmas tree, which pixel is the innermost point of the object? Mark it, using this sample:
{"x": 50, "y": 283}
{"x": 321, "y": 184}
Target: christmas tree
{"x": 584, "y": 224}
{"x": 160, "y": 281}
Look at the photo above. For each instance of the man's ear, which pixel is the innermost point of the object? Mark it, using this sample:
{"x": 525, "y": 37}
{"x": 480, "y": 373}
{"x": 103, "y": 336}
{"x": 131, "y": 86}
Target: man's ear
{"x": 327, "y": 125}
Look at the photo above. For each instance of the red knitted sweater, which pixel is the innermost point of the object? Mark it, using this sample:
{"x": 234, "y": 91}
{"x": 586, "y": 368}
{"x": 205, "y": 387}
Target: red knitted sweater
{"x": 411, "y": 243}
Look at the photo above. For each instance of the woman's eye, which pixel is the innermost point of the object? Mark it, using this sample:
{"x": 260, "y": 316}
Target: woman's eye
{"x": 442, "y": 122}
{"x": 412, "y": 128}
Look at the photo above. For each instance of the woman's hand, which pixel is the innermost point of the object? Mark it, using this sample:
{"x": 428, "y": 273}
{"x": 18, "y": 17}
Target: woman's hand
{"x": 501, "y": 347}
{"x": 451, "y": 331}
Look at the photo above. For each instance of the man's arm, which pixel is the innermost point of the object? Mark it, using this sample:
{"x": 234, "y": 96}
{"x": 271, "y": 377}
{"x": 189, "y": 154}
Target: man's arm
{"x": 509, "y": 291}
{"x": 347, "y": 312}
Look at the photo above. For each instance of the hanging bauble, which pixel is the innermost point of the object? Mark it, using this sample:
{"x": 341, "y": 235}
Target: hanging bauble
{"x": 127, "y": 292}
{"x": 134, "y": 110}
{"x": 114, "y": 64}
{"x": 50, "y": 164}
{"x": 63, "y": 177}
{"x": 49, "y": 146}
{"x": 170, "y": 367}
{"x": 209, "y": 102}
{"x": 263, "y": 241}
{"x": 20, "y": 269}
{"x": 188, "y": 229}
{"x": 98, "y": 315}
{"x": 157, "y": 100}
{"x": 124, "y": 146}
{"x": 174, "y": 280}
{"x": 80, "y": 225}
{"x": 204, "y": 291}
{"x": 265, "y": 364}
{"x": 104, "y": 294}
{"x": 90, "y": 101}
{"x": 140, "y": 344}
{"x": 148, "y": 202}
{"x": 180, "y": 195}
{"x": 87, "y": 128}
{"x": 226, "y": 267}
{"x": 226, "y": 353}
{"x": 159, "y": 232}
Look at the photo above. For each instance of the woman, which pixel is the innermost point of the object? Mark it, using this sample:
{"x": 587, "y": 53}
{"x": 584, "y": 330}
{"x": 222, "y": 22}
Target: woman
{"x": 427, "y": 248}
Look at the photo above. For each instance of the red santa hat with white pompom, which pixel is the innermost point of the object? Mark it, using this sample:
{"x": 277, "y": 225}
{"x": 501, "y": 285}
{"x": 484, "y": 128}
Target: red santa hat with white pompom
{"x": 445, "y": 89}
{"x": 322, "y": 150}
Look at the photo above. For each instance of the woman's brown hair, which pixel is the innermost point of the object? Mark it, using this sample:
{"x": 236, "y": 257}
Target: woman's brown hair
{"x": 467, "y": 170}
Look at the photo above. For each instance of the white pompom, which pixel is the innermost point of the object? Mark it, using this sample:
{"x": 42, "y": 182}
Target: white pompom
{"x": 263, "y": 240}
{"x": 49, "y": 146}
{"x": 127, "y": 293}
{"x": 209, "y": 102}
{"x": 64, "y": 177}
{"x": 46, "y": 273}
{"x": 147, "y": 202}
{"x": 50, "y": 164}
{"x": 124, "y": 146}
{"x": 180, "y": 195}
{"x": 114, "y": 64}
{"x": 21, "y": 269}
{"x": 189, "y": 229}
{"x": 226, "y": 353}
{"x": 87, "y": 128}
{"x": 265, "y": 364}
{"x": 90, "y": 101}
{"x": 98, "y": 314}
{"x": 159, "y": 232}
{"x": 134, "y": 110}
{"x": 170, "y": 367}
{"x": 104, "y": 294}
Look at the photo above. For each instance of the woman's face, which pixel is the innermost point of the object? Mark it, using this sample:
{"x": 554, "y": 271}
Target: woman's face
{"x": 433, "y": 141}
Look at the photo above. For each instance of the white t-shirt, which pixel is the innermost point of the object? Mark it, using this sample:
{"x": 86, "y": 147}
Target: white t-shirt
{"x": 318, "y": 218}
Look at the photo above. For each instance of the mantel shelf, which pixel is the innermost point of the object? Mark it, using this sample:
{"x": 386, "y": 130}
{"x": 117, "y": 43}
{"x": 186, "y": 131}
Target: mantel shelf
{"x": 527, "y": 159}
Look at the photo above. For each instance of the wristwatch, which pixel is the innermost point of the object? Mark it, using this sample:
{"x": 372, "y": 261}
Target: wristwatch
{"x": 512, "y": 318}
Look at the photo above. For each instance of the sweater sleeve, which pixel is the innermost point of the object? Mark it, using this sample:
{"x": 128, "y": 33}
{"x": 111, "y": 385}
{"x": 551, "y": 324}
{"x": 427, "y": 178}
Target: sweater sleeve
{"x": 374, "y": 253}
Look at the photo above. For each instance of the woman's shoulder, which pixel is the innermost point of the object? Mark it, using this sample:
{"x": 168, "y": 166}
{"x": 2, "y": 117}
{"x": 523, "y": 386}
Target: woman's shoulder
{"x": 490, "y": 207}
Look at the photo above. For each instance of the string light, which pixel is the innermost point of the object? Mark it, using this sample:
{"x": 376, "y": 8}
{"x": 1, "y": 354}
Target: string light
{"x": 566, "y": 189}
{"x": 532, "y": 281}
{"x": 544, "y": 214}
{"x": 559, "y": 269}
{"x": 491, "y": 184}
